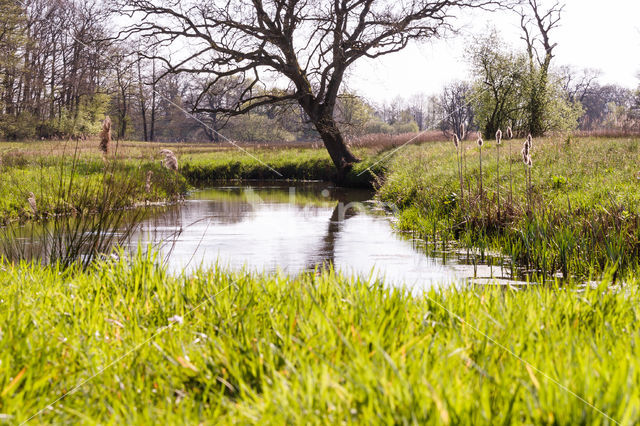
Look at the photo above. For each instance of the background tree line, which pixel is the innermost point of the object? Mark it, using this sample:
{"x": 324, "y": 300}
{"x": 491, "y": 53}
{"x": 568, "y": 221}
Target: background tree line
{"x": 61, "y": 71}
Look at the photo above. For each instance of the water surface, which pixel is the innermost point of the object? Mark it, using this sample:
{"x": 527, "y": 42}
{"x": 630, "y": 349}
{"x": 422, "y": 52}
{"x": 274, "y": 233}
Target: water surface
{"x": 294, "y": 228}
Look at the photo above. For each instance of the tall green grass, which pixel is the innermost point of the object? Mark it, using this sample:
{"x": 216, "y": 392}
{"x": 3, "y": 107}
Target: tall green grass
{"x": 124, "y": 342}
{"x": 576, "y": 211}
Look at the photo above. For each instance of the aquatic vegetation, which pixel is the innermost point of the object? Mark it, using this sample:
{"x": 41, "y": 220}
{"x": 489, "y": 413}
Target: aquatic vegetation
{"x": 575, "y": 212}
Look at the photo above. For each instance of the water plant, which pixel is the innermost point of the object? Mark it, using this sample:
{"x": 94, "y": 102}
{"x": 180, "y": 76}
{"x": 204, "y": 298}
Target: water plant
{"x": 510, "y": 137}
{"x": 456, "y": 144}
{"x": 480, "y": 142}
{"x": 498, "y": 143}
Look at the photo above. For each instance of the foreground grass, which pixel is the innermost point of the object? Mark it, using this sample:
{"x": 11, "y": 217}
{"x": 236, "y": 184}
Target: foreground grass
{"x": 216, "y": 347}
{"x": 581, "y": 214}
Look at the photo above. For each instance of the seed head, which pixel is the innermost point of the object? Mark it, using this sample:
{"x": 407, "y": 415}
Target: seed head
{"x": 499, "y": 137}
{"x": 529, "y": 161}
{"x": 529, "y": 141}
{"x": 525, "y": 155}
{"x": 32, "y": 202}
{"x": 480, "y": 141}
{"x": 509, "y": 133}
{"x": 456, "y": 140}
{"x": 462, "y": 133}
{"x": 147, "y": 185}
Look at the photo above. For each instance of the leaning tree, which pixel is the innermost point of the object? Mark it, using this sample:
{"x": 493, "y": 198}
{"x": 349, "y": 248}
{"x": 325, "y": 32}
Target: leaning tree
{"x": 307, "y": 45}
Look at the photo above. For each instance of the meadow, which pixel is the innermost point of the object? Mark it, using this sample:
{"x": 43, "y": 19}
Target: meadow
{"x": 574, "y": 212}
{"x": 124, "y": 342}
{"x": 121, "y": 340}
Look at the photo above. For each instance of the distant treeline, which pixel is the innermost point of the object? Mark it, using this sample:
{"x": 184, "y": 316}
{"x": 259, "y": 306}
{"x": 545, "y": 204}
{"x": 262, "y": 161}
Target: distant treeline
{"x": 61, "y": 72}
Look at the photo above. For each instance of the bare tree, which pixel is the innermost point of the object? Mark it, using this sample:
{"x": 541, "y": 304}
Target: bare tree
{"x": 537, "y": 24}
{"x": 456, "y": 108}
{"x": 310, "y": 45}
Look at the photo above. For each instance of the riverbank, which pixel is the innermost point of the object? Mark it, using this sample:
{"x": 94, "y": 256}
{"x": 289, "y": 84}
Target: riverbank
{"x": 217, "y": 347}
{"x": 53, "y": 170}
{"x": 574, "y": 212}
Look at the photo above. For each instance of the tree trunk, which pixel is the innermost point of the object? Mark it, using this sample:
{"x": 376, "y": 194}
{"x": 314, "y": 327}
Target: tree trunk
{"x": 342, "y": 158}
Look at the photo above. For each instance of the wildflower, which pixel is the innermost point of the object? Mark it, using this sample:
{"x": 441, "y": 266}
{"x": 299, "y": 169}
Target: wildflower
{"x": 176, "y": 319}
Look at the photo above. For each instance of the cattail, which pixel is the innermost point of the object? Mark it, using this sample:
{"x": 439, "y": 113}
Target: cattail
{"x": 32, "y": 202}
{"x": 480, "y": 143}
{"x": 498, "y": 142}
{"x": 456, "y": 143}
{"x": 105, "y": 135}
{"x": 510, "y": 136}
{"x": 147, "y": 185}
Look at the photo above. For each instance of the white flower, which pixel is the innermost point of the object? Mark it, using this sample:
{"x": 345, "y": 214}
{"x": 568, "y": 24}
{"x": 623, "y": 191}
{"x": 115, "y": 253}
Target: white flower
{"x": 176, "y": 318}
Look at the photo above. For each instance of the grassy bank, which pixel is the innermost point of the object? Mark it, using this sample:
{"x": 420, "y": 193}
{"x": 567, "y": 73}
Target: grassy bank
{"x": 221, "y": 347}
{"x": 578, "y": 213}
{"x": 203, "y": 169}
{"x": 70, "y": 178}
{"x": 43, "y": 167}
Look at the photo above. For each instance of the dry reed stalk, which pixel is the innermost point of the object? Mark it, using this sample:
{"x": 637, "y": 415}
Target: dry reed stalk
{"x": 105, "y": 135}
{"x": 498, "y": 142}
{"x": 510, "y": 136}
{"x": 32, "y": 203}
{"x": 147, "y": 184}
{"x": 456, "y": 143}
{"x": 480, "y": 143}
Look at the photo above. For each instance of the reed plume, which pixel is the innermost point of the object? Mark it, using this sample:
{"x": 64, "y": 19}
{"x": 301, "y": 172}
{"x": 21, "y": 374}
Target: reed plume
{"x": 170, "y": 160}
{"x": 32, "y": 203}
{"x": 105, "y": 135}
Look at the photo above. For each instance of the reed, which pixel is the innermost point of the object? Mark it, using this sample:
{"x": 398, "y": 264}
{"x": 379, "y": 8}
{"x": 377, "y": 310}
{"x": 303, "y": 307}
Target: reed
{"x": 480, "y": 142}
{"x": 498, "y": 143}
{"x": 105, "y": 136}
{"x": 510, "y": 137}
{"x": 456, "y": 143}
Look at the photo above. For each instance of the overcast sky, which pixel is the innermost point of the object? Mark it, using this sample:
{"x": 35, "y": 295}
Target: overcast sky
{"x": 598, "y": 34}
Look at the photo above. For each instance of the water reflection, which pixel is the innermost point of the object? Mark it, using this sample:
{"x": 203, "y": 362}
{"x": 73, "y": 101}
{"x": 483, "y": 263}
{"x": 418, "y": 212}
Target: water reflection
{"x": 291, "y": 229}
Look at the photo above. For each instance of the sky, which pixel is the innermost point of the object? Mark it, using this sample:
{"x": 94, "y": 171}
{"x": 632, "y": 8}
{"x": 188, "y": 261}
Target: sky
{"x": 603, "y": 35}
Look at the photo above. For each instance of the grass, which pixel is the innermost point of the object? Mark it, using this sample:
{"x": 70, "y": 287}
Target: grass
{"x": 579, "y": 215}
{"x": 61, "y": 174}
{"x": 317, "y": 348}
